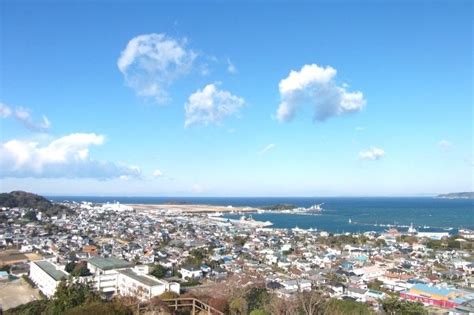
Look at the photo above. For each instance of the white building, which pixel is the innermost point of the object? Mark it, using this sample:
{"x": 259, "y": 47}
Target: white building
{"x": 190, "y": 273}
{"x": 297, "y": 285}
{"x": 116, "y": 207}
{"x": 356, "y": 293}
{"x": 369, "y": 273}
{"x": 104, "y": 273}
{"x": 46, "y": 276}
{"x": 433, "y": 235}
{"x": 142, "y": 286}
{"x": 115, "y": 276}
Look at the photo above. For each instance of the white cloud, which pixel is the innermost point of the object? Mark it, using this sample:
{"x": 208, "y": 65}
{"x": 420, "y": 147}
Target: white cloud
{"x": 266, "y": 149}
{"x": 157, "y": 173}
{"x": 204, "y": 69}
{"x": 67, "y": 157}
{"x": 444, "y": 144}
{"x": 372, "y": 154}
{"x": 152, "y": 62}
{"x": 231, "y": 68}
{"x": 359, "y": 128}
{"x": 23, "y": 115}
{"x": 5, "y": 111}
{"x": 211, "y": 105}
{"x": 315, "y": 86}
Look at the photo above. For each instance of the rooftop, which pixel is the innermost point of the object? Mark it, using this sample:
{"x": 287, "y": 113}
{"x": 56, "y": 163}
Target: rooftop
{"x": 51, "y": 270}
{"x": 142, "y": 279}
{"x": 109, "y": 263}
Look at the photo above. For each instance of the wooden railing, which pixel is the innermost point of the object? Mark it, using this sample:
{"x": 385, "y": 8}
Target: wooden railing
{"x": 196, "y": 305}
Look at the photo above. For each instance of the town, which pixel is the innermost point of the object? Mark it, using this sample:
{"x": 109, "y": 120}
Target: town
{"x": 162, "y": 253}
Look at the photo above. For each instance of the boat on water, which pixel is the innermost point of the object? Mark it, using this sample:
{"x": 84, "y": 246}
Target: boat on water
{"x": 317, "y": 208}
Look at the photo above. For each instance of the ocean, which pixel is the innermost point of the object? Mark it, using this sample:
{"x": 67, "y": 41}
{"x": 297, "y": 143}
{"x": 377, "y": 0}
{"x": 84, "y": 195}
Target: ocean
{"x": 365, "y": 213}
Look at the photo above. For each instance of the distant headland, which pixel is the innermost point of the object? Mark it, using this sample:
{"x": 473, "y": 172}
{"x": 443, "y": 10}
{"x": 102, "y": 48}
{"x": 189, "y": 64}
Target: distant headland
{"x": 458, "y": 195}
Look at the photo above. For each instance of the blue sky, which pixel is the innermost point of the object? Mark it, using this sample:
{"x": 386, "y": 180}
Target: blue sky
{"x": 236, "y": 99}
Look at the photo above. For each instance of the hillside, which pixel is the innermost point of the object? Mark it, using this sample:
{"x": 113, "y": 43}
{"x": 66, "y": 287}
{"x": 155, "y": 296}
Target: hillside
{"x": 458, "y": 195}
{"x": 23, "y": 199}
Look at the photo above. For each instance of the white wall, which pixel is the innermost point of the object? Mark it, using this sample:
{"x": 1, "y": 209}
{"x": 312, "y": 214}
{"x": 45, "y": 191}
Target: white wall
{"x": 45, "y": 282}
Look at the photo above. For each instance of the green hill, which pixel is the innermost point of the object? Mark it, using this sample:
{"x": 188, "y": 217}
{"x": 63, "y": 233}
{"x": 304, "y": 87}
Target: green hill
{"x": 23, "y": 199}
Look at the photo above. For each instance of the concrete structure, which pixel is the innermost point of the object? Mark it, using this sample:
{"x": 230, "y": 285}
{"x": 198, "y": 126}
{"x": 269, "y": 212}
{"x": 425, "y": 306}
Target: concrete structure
{"x": 143, "y": 287}
{"x": 104, "y": 273}
{"x": 190, "y": 272}
{"x": 46, "y": 276}
{"x": 112, "y": 276}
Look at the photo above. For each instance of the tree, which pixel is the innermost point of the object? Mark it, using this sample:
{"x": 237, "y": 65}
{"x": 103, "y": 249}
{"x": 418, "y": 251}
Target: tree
{"x": 396, "y": 306}
{"x": 69, "y": 295}
{"x": 30, "y": 216}
{"x": 33, "y": 307}
{"x": 101, "y": 308}
{"x": 70, "y": 266}
{"x": 334, "y": 306}
{"x": 281, "y": 306}
{"x": 309, "y": 302}
{"x": 81, "y": 270}
{"x": 240, "y": 240}
{"x": 159, "y": 271}
{"x": 259, "y": 312}
{"x": 238, "y": 306}
{"x": 256, "y": 298}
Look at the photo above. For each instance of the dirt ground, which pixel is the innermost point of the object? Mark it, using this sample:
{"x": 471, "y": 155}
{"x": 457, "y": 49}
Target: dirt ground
{"x": 16, "y": 292}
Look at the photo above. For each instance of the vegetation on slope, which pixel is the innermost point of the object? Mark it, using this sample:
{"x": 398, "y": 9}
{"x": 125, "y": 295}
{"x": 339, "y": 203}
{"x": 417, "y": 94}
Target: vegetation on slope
{"x": 23, "y": 199}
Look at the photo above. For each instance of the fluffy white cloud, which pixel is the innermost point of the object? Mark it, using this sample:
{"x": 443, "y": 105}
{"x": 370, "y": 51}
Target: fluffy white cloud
{"x": 444, "y": 144}
{"x": 211, "y": 105}
{"x": 67, "y": 156}
{"x": 372, "y": 154}
{"x": 23, "y": 115}
{"x": 316, "y": 86}
{"x": 152, "y": 62}
{"x": 157, "y": 173}
{"x": 267, "y": 148}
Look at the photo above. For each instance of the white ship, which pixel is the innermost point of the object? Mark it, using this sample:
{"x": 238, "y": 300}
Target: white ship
{"x": 313, "y": 209}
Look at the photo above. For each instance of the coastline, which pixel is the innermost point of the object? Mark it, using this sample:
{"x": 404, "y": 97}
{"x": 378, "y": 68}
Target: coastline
{"x": 192, "y": 208}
